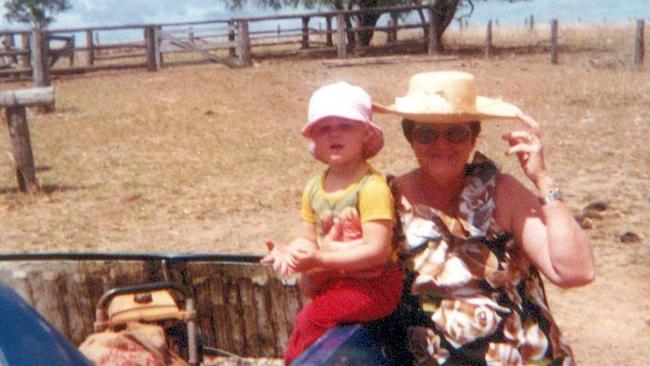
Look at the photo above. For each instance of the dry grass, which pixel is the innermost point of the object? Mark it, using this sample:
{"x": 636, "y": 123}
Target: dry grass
{"x": 209, "y": 159}
{"x": 200, "y": 147}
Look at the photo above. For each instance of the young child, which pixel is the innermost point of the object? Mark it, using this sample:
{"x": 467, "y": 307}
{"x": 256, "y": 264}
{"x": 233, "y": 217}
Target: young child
{"x": 344, "y": 248}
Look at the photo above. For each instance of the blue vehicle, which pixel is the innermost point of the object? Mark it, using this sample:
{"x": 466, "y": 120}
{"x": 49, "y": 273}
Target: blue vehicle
{"x": 350, "y": 345}
{"x": 26, "y": 338}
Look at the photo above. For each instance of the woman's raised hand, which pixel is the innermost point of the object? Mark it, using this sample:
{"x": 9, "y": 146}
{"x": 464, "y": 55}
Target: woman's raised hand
{"x": 527, "y": 145}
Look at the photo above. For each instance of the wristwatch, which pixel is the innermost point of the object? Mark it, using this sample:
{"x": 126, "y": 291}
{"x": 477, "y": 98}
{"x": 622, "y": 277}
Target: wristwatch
{"x": 552, "y": 196}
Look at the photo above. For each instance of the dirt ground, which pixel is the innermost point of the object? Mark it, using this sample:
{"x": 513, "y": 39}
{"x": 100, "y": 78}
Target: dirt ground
{"x": 209, "y": 159}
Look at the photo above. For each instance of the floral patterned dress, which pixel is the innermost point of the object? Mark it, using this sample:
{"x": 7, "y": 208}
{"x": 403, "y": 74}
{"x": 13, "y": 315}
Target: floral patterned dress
{"x": 475, "y": 299}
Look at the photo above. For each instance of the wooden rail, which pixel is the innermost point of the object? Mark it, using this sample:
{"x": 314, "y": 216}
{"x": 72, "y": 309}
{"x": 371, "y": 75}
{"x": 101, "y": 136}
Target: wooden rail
{"x": 242, "y": 307}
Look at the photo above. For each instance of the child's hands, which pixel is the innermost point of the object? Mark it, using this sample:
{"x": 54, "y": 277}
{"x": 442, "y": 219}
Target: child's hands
{"x": 277, "y": 258}
{"x": 304, "y": 258}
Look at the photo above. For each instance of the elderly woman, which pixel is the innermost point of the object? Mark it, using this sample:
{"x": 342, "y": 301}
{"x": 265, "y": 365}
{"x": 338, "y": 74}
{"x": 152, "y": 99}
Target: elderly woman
{"x": 475, "y": 240}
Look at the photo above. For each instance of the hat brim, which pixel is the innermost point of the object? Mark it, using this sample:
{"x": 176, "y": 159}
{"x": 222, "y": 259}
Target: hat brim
{"x": 486, "y": 109}
{"x": 308, "y": 129}
{"x": 372, "y": 146}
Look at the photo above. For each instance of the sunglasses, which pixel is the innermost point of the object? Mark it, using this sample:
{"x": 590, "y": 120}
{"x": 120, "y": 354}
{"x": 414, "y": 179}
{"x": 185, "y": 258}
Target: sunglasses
{"x": 454, "y": 134}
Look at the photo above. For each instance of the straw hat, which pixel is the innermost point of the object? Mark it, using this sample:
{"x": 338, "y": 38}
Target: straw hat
{"x": 447, "y": 97}
{"x": 347, "y": 101}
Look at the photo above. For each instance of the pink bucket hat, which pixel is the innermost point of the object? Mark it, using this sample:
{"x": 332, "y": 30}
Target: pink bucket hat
{"x": 346, "y": 101}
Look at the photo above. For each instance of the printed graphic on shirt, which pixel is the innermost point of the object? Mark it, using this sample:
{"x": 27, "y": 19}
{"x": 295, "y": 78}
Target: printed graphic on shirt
{"x": 348, "y": 228}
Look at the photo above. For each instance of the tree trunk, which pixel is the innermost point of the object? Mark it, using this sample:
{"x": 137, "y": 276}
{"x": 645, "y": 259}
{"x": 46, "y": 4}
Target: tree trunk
{"x": 348, "y": 25}
{"x": 443, "y": 12}
{"x": 367, "y": 20}
{"x": 362, "y": 38}
{"x": 423, "y": 20}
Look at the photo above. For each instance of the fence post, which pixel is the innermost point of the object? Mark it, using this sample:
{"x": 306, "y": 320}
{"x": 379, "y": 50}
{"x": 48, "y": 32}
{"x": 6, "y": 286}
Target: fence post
{"x": 40, "y": 72}
{"x": 488, "y": 39}
{"x": 328, "y": 37}
{"x": 91, "y": 47}
{"x": 554, "y": 44}
{"x": 231, "y": 38}
{"x": 391, "y": 37}
{"x": 305, "y": 32}
{"x": 244, "y": 43}
{"x": 356, "y": 34}
{"x": 22, "y": 148}
{"x": 639, "y": 43}
{"x": 159, "y": 54}
{"x": 153, "y": 48}
{"x": 11, "y": 43}
{"x": 341, "y": 37}
{"x": 24, "y": 43}
{"x": 72, "y": 50}
{"x": 149, "y": 48}
{"x": 531, "y": 23}
{"x": 97, "y": 43}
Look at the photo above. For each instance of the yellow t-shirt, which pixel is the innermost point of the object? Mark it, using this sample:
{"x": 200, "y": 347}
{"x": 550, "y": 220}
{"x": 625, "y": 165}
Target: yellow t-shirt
{"x": 366, "y": 200}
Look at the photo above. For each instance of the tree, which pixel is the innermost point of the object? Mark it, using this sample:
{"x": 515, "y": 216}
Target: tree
{"x": 444, "y": 12}
{"x": 36, "y": 13}
{"x": 362, "y": 20}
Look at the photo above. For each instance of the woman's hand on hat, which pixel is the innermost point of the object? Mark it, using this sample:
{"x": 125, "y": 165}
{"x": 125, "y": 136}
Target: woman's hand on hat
{"x": 527, "y": 146}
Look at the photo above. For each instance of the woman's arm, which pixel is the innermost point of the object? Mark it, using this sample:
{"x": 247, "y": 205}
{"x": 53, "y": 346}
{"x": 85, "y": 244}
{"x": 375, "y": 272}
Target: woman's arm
{"x": 548, "y": 234}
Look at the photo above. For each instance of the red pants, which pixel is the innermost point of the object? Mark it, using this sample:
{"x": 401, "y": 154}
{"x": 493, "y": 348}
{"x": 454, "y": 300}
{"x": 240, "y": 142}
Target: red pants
{"x": 346, "y": 300}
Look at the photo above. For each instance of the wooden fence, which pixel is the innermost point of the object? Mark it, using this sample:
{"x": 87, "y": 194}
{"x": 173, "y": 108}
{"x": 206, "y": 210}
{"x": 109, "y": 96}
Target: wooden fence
{"x": 234, "y": 42}
{"x": 242, "y": 307}
{"x": 231, "y": 42}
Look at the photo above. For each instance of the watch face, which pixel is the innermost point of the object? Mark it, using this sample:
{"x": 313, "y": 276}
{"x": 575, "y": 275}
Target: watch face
{"x": 554, "y": 195}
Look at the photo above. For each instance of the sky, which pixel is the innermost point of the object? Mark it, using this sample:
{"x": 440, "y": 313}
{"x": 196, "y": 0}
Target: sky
{"x": 86, "y": 13}
{"x": 118, "y": 12}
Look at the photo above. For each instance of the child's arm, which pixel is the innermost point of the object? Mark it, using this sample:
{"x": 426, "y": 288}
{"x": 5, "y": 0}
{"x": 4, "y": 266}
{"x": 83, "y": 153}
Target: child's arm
{"x": 307, "y": 237}
{"x": 375, "y": 233}
{"x": 372, "y": 250}
{"x": 330, "y": 244}
{"x": 278, "y": 256}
